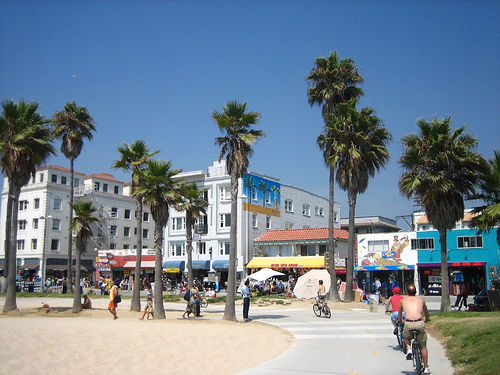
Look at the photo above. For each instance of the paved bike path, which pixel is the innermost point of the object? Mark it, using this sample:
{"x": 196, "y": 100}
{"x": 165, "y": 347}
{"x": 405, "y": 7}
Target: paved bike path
{"x": 350, "y": 343}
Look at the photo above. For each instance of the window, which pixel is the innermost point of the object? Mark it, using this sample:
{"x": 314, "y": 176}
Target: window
{"x": 97, "y": 186}
{"x": 33, "y": 179}
{"x": 145, "y": 216}
{"x": 319, "y": 211}
{"x": 112, "y": 230}
{"x": 57, "y": 204}
{"x": 23, "y": 205}
{"x": 254, "y": 193}
{"x": 114, "y": 212}
{"x": 307, "y": 250}
{"x": 470, "y": 241}
{"x": 36, "y": 203}
{"x": 177, "y": 249}
{"x": 117, "y": 189}
{"x": 135, "y": 231}
{"x": 77, "y": 182}
{"x": 378, "y": 246}
{"x": 268, "y": 222}
{"x": 225, "y": 221}
{"x": 54, "y": 245}
{"x": 63, "y": 180}
{"x": 33, "y": 244}
{"x": 268, "y": 197}
{"x": 112, "y": 246}
{"x": 126, "y": 214}
{"x": 145, "y": 233}
{"x": 288, "y": 205}
{"x": 202, "y": 247}
{"x": 322, "y": 249}
{"x": 126, "y": 231}
{"x": 224, "y": 248}
{"x": 56, "y": 224}
{"x": 126, "y": 246}
{"x": 105, "y": 188}
{"x": 335, "y": 216}
{"x": 422, "y": 244}
{"x": 178, "y": 223}
{"x": 35, "y": 224}
{"x": 21, "y": 224}
{"x": 254, "y": 220}
{"x": 53, "y": 178}
{"x": 306, "y": 210}
{"x": 225, "y": 193}
{"x": 41, "y": 177}
{"x": 20, "y": 244}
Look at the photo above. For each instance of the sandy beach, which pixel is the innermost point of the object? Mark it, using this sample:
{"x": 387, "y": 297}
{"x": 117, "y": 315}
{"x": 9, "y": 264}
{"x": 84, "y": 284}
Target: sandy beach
{"x": 56, "y": 341}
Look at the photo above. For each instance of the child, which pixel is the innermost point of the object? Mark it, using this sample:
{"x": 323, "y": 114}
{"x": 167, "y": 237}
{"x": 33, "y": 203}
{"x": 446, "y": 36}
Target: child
{"x": 148, "y": 310}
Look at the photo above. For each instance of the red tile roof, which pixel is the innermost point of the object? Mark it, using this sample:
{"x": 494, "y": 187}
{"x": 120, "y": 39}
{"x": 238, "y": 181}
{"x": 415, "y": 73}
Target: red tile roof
{"x": 103, "y": 176}
{"x": 301, "y": 234}
{"x": 59, "y": 168}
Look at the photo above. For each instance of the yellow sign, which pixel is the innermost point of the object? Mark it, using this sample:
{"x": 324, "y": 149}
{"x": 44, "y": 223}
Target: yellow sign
{"x": 172, "y": 270}
{"x": 269, "y": 211}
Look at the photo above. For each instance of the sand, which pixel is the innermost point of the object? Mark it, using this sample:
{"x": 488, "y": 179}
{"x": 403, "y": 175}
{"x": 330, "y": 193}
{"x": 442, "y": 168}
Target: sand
{"x": 56, "y": 341}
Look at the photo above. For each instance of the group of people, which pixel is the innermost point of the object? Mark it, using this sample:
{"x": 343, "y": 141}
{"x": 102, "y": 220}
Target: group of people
{"x": 193, "y": 298}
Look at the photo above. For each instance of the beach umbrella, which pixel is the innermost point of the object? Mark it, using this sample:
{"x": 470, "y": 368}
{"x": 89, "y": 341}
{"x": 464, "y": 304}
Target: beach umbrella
{"x": 307, "y": 284}
{"x": 264, "y": 274}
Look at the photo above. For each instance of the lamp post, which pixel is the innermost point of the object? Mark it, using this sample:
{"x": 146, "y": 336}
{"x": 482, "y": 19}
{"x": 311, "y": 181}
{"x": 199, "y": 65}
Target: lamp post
{"x": 43, "y": 267}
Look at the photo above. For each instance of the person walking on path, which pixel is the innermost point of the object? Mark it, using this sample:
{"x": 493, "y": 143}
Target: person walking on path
{"x": 245, "y": 293}
{"x": 113, "y": 292}
{"x": 148, "y": 309}
{"x": 417, "y": 315}
{"x": 191, "y": 305}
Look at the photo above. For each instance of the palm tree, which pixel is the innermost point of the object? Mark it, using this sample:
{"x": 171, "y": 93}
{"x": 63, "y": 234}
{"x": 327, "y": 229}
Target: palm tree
{"x": 25, "y": 143}
{"x": 134, "y": 158}
{"x": 489, "y": 186}
{"x": 440, "y": 167}
{"x": 359, "y": 149}
{"x": 159, "y": 190}
{"x": 263, "y": 188}
{"x": 332, "y": 81}
{"x": 72, "y": 125}
{"x": 195, "y": 206}
{"x": 81, "y": 226}
{"x": 250, "y": 185}
{"x": 276, "y": 192}
{"x": 236, "y": 143}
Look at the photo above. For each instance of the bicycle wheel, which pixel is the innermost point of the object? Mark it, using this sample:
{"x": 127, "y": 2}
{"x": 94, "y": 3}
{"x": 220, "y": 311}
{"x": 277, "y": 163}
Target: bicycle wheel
{"x": 400, "y": 338}
{"x": 204, "y": 302}
{"x": 417, "y": 358}
{"x": 327, "y": 312}
{"x": 317, "y": 310}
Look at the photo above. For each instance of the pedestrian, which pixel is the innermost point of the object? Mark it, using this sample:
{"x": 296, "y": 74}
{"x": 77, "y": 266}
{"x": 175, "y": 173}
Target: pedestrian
{"x": 87, "y": 303}
{"x": 112, "y": 305}
{"x": 148, "y": 310}
{"x": 245, "y": 293}
{"x": 191, "y": 303}
{"x": 377, "y": 286}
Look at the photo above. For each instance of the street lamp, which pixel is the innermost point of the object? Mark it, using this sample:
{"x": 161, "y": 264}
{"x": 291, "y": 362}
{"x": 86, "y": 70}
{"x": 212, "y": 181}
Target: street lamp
{"x": 43, "y": 267}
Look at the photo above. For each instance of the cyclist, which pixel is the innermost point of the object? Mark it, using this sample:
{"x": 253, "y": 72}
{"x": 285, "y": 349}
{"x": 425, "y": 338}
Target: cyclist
{"x": 321, "y": 298}
{"x": 417, "y": 315}
{"x": 394, "y": 302}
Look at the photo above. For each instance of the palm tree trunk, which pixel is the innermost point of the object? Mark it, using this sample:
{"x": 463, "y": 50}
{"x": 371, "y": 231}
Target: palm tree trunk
{"x": 8, "y": 220}
{"x": 189, "y": 249}
{"x": 229, "y": 310}
{"x": 10, "y": 298}
{"x": 334, "y": 294}
{"x": 159, "y": 310}
{"x": 77, "y": 299}
{"x": 135, "y": 305}
{"x": 349, "y": 293}
{"x": 70, "y": 232}
{"x": 445, "y": 278}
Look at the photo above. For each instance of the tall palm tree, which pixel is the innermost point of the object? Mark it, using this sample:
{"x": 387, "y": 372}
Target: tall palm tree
{"x": 195, "y": 206}
{"x": 250, "y": 184}
{"x": 25, "y": 143}
{"x": 159, "y": 190}
{"x": 82, "y": 220}
{"x": 72, "y": 125}
{"x": 489, "y": 194}
{"x": 236, "y": 143}
{"x": 440, "y": 166}
{"x": 134, "y": 158}
{"x": 359, "y": 145}
{"x": 332, "y": 81}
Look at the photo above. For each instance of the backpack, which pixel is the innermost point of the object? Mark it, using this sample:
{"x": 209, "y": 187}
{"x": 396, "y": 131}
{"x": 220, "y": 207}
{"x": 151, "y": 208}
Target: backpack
{"x": 187, "y": 296}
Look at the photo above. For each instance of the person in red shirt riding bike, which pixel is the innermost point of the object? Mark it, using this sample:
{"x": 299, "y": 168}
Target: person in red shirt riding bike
{"x": 394, "y": 303}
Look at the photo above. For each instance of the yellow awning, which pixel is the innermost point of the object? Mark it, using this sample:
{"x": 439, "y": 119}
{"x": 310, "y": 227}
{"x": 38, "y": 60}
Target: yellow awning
{"x": 287, "y": 262}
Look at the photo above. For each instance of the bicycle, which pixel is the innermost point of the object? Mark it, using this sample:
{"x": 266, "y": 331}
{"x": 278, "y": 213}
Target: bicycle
{"x": 399, "y": 336}
{"x": 418, "y": 361}
{"x": 203, "y": 302}
{"x": 322, "y": 308}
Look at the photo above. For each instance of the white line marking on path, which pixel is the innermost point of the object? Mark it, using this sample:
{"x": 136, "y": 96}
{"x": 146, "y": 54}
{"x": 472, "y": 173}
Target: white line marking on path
{"x": 342, "y": 328}
{"x": 345, "y": 336}
{"x": 333, "y": 321}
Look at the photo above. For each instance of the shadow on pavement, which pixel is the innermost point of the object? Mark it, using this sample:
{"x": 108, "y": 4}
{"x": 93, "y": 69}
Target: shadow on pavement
{"x": 265, "y": 316}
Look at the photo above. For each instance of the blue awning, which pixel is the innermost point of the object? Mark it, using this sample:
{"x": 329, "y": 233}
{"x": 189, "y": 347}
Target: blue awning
{"x": 201, "y": 264}
{"x": 399, "y": 267}
{"x": 220, "y": 264}
{"x": 174, "y": 266}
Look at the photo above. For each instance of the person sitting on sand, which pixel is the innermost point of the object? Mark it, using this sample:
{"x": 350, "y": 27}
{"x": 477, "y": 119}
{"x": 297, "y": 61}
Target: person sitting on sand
{"x": 87, "y": 303}
{"x": 148, "y": 310}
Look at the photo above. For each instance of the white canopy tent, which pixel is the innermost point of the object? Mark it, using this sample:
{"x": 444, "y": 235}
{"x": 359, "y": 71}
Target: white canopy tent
{"x": 261, "y": 275}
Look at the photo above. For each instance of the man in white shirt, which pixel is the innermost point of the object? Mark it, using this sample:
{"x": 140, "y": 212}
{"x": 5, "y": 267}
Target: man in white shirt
{"x": 245, "y": 293}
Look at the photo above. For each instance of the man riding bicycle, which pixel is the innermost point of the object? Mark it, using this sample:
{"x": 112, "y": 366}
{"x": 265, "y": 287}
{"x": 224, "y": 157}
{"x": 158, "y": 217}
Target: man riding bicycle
{"x": 321, "y": 298}
{"x": 417, "y": 315}
{"x": 394, "y": 302}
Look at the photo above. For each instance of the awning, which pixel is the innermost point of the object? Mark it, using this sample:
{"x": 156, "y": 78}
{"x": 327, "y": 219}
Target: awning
{"x": 200, "y": 264}
{"x": 287, "y": 262}
{"x": 452, "y": 264}
{"x": 399, "y": 267}
{"x": 173, "y": 266}
{"x": 144, "y": 264}
{"x": 28, "y": 267}
{"x": 221, "y": 264}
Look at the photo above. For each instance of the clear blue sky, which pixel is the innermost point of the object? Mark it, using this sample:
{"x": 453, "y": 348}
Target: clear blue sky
{"x": 156, "y": 70}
